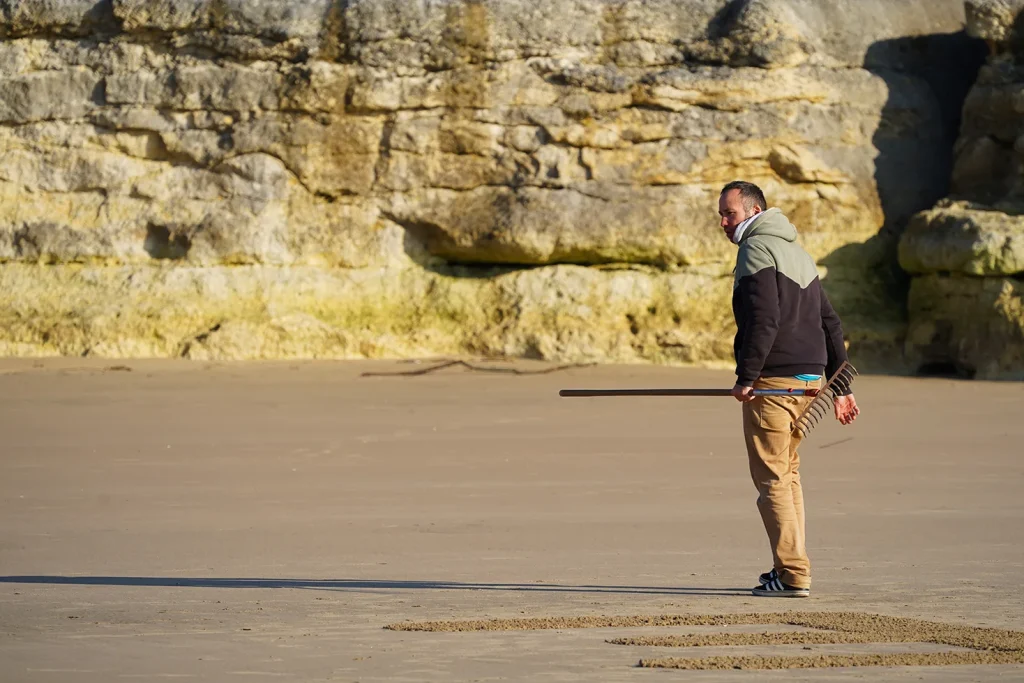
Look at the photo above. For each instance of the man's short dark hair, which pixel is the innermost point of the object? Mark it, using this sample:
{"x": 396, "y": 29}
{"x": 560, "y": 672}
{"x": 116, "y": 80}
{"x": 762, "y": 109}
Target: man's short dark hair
{"x": 749, "y": 192}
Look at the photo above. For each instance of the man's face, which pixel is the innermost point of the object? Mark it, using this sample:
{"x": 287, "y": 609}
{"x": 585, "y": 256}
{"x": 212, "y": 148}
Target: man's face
{"x": 732, "y": 211}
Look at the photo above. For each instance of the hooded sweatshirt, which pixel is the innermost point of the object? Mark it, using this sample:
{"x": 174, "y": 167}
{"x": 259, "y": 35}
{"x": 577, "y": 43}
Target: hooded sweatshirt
{"x": 785, "y": 323}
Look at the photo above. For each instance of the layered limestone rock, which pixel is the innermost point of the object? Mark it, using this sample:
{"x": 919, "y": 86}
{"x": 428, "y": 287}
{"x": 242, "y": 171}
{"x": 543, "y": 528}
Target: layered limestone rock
{"x": 967, "y": 253}
{"x": 237, "y": 179}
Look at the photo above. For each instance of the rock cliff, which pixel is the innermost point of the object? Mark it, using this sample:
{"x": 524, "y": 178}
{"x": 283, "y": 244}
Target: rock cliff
{"x": 347, "y": 178}
{"x": 966, "y": 302}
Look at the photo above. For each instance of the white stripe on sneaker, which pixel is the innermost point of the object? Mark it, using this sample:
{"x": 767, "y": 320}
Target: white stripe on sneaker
{"x": 775, "y": 588}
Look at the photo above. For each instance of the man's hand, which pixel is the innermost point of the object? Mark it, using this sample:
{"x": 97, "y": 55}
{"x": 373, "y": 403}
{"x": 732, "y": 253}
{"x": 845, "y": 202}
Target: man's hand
{"x": 742, "y": 393}
{"x": 846, "y": 409}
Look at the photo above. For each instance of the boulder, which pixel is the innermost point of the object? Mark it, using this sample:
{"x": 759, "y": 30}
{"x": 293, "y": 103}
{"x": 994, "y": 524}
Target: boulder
{"x": 957, "y": 237}
{"x": 968, "y": 326}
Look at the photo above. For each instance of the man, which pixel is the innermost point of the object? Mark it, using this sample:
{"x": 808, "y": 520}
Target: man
{"x": 788, "y": 336}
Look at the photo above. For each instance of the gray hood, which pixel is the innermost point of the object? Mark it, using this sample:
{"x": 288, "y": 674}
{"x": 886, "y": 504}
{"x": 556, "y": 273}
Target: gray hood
{"x": 771, "y": 223}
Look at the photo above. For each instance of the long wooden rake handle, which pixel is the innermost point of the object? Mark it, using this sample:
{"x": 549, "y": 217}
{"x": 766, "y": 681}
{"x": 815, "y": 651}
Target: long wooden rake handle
{"x": 588, "y": 393}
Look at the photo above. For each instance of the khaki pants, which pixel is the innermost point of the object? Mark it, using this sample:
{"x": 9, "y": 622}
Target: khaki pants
{"x": 775, "y": 470}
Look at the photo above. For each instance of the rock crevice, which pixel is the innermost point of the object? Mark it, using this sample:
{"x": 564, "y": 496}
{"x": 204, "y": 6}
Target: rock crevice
{"x": 966, "y": 312}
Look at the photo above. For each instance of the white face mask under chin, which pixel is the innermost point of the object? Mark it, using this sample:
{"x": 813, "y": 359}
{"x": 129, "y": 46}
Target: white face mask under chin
{"x": 742, "y": 228}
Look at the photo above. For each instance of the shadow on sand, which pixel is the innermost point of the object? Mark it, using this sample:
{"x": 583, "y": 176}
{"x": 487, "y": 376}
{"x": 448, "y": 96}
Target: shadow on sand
{"x": 358, "y": 585}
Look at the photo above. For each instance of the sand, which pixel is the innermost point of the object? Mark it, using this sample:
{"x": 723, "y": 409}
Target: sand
{"x": 258, "y": 521}
{"x": 992, "y": 646}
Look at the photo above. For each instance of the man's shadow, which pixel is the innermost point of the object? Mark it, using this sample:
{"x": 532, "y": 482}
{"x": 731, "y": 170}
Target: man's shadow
{"x": 361, "y": 585}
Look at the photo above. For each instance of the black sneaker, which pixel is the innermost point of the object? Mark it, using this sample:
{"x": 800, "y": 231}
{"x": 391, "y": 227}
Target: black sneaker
{"x": 768, "y": 576}
{"x": 776, "y": 589}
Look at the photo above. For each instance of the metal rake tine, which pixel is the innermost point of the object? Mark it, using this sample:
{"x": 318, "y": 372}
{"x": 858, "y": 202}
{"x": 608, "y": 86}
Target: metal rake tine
{"x": 848, "y": 372}
{"x": 842, "y": 368}
{"x": 843, "y": 376}
{"x": 838, "y": 389}
{"x": 814, "y": 418}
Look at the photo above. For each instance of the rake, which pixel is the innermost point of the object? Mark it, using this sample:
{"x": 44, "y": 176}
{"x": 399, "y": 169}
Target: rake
{"x": 824, "y": 398}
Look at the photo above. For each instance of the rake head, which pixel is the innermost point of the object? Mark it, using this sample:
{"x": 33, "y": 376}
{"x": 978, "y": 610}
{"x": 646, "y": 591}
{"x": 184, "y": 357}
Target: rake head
{"x": 825, "y": 399}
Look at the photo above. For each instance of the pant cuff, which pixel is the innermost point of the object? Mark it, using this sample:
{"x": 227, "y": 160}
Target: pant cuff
{"x": 795, "y": 580}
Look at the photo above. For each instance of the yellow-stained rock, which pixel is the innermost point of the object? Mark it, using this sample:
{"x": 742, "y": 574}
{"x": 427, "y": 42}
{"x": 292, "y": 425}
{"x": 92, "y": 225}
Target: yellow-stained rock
{"x": 959, "y": 237}
{"x": 566, "y": 313}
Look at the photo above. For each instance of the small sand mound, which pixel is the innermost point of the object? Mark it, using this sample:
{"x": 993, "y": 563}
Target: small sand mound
{"x": 830, "y": 661}
{"x": 987, "y": 645}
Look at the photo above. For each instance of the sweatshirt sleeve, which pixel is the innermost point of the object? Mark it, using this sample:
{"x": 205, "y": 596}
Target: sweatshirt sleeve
{"x": 759, "y": 312}
{"x": 834, "y": 343}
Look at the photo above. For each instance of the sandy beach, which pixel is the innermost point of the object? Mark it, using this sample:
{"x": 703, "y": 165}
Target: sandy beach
{"x": 267, "y": 521}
